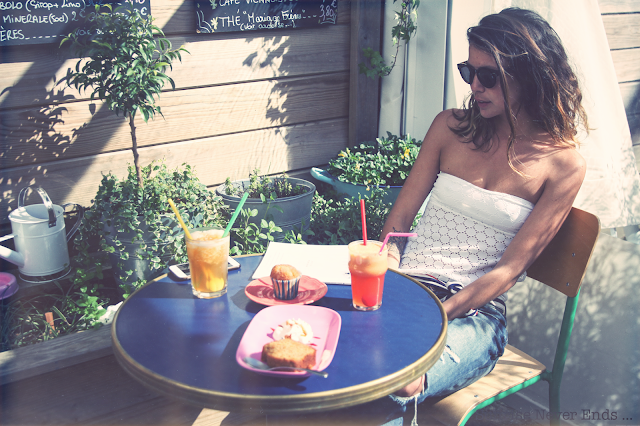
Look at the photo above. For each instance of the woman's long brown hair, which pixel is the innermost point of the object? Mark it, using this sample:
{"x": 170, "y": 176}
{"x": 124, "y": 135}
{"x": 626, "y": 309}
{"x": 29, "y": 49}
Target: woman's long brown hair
{"x": 526, "y": 48}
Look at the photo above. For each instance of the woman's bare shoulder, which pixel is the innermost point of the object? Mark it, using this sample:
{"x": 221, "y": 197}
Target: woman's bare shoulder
{"x": 449, "y": 117}
{"x": 444, "y": 123}
{"x": 566, "y": 165}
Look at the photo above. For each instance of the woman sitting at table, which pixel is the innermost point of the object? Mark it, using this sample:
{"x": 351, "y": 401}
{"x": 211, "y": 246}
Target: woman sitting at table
{"x": 503, "y": 173}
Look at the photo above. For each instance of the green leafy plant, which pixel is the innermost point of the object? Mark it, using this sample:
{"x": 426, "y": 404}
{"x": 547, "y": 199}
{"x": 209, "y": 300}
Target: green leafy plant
{"x": 23, "y": 320}
{"x": 122, "y": 209}
{"x": 401, "y": 33}
{"x": 388, "y": 161}
{"x": 82, "y": 305}
{"x": 339, "y": 222}
{"x": 126, "y": 62}
{"x": 265, "y": 187}
{"x": 251, "y": 238}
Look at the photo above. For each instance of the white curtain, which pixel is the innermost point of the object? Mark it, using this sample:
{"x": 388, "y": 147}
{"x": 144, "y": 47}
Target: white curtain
{"x": 427, "y": 82}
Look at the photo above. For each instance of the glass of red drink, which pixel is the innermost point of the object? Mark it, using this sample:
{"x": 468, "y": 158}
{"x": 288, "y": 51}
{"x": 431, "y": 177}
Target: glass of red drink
{"x": 367, "y": 267}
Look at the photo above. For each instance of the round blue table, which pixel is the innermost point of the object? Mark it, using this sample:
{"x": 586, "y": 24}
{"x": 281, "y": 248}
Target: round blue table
{"x": 185, "y": 347}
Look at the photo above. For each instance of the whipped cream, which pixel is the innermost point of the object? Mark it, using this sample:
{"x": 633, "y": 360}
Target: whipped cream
{"x": 294, "y": 329}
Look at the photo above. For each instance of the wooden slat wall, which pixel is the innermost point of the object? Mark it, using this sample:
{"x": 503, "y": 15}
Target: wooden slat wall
{"x": 276, "y": 100}
{"x": 622, "y": 24}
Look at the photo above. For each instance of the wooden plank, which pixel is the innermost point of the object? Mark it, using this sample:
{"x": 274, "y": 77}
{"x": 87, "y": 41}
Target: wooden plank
{"x": 55, "y": 354}
{"x": 623, "y": 31}
{"x": 627, "y": 64}
{"x": 32, "y": 80}
{"x": 29, "y": 136}
{"x": 619, "y": 6}
{"x": 364, "y": 103}
{"x": 179, "y": 17}
{"x": 216, "y": 158}
{"x": 630, "y": 93}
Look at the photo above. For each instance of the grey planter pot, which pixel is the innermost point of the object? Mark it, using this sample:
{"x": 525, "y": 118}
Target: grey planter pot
{"x": 351, "y": 190}
{"x": 141, "y": 267}
{"x": 296, "y": 210}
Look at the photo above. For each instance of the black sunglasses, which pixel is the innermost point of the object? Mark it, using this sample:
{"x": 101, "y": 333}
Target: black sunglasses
{"x": 486, "y": 76}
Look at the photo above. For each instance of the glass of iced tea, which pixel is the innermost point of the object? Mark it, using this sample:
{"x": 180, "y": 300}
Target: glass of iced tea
{"x": 208, "y": 253}
{"x": 367, "y": 269}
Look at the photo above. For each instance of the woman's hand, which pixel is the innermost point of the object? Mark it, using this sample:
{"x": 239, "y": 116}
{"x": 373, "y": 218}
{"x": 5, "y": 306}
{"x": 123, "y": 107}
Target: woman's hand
{"x": 393, "y": 258}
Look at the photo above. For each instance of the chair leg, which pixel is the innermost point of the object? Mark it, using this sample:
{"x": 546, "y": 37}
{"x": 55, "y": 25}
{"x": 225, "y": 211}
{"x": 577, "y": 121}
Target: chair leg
{"x": 554, "y": 404}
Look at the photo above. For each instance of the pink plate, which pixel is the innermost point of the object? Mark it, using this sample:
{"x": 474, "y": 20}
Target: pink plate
{"x": 324, "y": 322}
{"x": 8, "y": 285}
{"x": 309, "y": 291}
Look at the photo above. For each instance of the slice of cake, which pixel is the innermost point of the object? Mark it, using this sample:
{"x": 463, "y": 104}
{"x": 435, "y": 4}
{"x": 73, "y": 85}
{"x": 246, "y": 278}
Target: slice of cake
{"x": 288, "y": 353}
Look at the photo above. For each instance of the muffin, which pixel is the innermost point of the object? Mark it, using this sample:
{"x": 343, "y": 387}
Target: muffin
{"x": 285, "y": 279}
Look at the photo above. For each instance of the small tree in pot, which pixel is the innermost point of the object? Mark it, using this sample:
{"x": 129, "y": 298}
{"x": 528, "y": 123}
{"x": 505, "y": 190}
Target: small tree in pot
{"x": 127, "y": 59}
{"x": 124, "y": 63}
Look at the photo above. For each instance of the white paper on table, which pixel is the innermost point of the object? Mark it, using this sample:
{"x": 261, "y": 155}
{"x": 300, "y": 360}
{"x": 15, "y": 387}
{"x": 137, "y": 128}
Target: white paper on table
{"x": 326, "y": 263}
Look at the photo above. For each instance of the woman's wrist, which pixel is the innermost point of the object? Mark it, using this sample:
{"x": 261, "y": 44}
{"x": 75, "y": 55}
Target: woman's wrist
{"x": 393, "y": 261}
{"x": 393, "y": 256}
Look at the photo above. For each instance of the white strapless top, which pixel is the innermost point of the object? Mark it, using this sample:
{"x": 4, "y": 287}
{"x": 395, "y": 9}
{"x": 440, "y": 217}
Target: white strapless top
{"x": 464, "y": 231}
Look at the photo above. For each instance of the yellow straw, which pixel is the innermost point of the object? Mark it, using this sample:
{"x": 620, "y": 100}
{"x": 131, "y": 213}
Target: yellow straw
{"x": 175, "y": 210}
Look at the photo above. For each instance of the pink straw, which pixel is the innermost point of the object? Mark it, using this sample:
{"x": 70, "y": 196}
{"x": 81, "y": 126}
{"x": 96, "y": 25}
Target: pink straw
{"x": 395, "y": 234}
{"x": 364, "y": 222}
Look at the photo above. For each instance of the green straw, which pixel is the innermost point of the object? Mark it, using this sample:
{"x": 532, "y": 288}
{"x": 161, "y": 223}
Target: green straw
{"x": 235, "y": 214}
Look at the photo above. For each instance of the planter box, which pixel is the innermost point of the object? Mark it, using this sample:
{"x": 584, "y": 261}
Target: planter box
{"x": 296, "y": 210}
{"x": 61, "y": 352}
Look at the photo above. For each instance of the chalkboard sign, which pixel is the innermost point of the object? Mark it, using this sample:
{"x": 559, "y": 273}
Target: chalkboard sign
{"x": 49, "y": 21}
{"x": 214, "y": 16}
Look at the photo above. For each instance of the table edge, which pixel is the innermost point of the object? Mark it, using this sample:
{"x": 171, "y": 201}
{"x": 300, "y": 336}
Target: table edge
{"x": 292, "y": 404}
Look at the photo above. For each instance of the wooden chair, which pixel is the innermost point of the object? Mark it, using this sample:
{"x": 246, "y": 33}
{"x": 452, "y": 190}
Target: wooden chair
{"x": 562, "y": 266}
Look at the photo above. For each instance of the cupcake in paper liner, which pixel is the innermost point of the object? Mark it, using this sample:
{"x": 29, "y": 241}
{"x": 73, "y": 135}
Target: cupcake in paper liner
{"x": 285, "y": 279}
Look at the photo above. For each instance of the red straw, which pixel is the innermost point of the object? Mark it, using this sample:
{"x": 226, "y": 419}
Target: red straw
{"x": 364, "y": 222}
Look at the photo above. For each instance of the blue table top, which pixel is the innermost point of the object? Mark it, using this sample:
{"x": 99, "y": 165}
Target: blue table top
{"x": 186, "y": 347}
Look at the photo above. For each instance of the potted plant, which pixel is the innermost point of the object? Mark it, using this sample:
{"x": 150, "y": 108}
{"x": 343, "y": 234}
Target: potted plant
{"x": 125, "y": 62}
{"x": 385, "y": 164}
{"x": 284, "y": 200}
{"x": 134, "y": 229}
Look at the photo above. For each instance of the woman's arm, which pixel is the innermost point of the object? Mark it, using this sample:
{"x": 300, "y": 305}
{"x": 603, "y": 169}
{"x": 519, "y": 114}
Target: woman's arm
{"x": 417, "y": 186}
{"x": 560, "y": 189}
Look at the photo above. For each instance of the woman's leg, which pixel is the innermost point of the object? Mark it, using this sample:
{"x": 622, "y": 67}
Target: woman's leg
{"x": 472, "y": 349}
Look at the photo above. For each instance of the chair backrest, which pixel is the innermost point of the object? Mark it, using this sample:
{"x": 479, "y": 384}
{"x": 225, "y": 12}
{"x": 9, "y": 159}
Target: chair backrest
{"x": 562, "y": 264}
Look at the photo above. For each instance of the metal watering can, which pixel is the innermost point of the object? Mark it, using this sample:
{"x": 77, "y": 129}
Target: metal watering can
{"x": 40, "y": 240}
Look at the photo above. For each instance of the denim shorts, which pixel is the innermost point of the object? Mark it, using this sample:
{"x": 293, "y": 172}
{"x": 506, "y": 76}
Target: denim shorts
{"x": 472, "y": 349}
